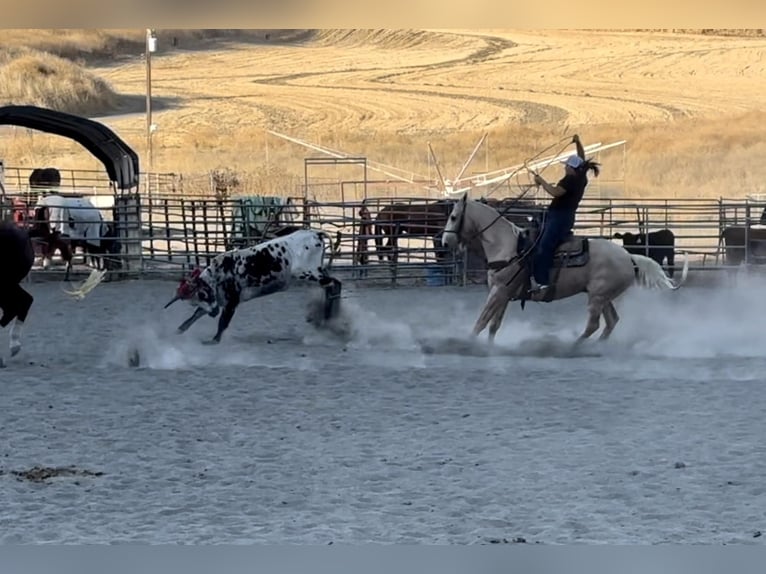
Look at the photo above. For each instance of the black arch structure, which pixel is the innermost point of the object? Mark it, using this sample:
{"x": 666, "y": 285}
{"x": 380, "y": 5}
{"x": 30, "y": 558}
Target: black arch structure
{"x": 120, "y": 161}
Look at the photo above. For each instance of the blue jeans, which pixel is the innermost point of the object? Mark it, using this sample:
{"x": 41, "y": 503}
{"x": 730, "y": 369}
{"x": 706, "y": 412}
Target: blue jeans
{"x": 557, "y": 226}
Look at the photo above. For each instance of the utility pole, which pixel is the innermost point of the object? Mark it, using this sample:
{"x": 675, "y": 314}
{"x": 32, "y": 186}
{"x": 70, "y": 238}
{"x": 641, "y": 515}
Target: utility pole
{"x": 151, "y": 46}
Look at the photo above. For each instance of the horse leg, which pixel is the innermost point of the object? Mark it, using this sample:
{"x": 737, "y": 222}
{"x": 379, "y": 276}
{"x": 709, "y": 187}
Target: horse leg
{"x": 67, "y": 254}
{"x": 497, "y": 320}
{"x": 96, "y": 257}
{"x": 496, "y": 302}
{"x": 595, "y": 307}
{"x": 93, "y": 257}
{"x": 671, "y": 262}
{"x": 378, "y": 236}
{"x": 392, "y": 246}
{"x": 47, "y": 254}
{"x": 610, "y": 318}
{"x": 17, "y": 309}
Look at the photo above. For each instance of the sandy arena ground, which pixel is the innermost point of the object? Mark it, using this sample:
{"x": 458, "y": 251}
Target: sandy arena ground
{"x": 404, "y": 432}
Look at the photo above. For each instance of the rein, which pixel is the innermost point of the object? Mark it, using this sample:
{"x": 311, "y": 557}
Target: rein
{"x": 501, "y": 213}
{"x": 504, "y": 211}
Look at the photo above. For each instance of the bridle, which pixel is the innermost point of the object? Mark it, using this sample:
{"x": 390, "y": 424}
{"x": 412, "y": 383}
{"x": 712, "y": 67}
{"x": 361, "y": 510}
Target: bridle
{"x": 519, "y": 257}
{"x": 502, "y": 213}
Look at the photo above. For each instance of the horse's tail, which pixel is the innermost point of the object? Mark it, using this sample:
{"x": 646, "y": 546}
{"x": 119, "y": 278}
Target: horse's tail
{"x": 650, "y": 274}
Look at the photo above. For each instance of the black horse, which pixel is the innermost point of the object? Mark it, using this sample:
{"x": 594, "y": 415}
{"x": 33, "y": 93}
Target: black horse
{"x": 16, "y": 258}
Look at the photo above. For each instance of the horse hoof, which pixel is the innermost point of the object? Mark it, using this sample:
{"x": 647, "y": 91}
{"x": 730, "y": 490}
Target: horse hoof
{"x": 15, "y": 348}
{"x": 2, "y": 363}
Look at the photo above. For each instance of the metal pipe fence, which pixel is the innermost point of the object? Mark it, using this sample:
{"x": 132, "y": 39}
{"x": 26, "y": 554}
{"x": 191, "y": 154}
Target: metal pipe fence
{"x": 166, "y": 233}
{"x": 87, "y": 181}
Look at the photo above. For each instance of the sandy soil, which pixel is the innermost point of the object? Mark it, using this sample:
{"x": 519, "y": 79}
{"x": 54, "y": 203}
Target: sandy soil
{"x": 402, "y": 431}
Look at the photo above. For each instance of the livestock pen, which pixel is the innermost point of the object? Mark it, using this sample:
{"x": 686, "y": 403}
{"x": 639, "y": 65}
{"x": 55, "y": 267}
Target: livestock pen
{"x": 717, "y": 235}
{"x": 162, "y": 231}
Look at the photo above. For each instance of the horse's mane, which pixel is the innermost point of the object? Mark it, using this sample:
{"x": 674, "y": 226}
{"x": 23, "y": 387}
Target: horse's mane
{"x": 497, "y": 215}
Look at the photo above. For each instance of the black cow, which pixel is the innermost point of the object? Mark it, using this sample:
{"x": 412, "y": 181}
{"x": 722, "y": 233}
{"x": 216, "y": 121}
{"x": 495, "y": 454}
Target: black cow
{"x": 661, "y": 246}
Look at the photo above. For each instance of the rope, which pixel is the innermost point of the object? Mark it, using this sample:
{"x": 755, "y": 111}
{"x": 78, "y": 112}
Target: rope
{"x": 88, "y": 285}
{"x": 567, "y": 139}
{"x": 501, "y": 213}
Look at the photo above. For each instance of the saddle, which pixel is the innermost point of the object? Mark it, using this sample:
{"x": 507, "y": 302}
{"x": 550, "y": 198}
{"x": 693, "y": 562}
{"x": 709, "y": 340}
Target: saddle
{"x": 573, "y": 251}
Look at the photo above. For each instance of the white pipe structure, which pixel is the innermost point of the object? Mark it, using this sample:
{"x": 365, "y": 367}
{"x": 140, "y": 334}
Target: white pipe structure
{"x": 388, "y": 170}
{"x": 504, "y": 174}
{"x": 456, "y": 186}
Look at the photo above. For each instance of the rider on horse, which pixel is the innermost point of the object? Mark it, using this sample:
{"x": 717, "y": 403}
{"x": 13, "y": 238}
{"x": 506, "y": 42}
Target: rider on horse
{"x": 560, "y": 216}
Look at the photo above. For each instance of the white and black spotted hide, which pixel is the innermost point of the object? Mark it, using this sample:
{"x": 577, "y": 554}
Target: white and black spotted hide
{"x": 243, "y": 274}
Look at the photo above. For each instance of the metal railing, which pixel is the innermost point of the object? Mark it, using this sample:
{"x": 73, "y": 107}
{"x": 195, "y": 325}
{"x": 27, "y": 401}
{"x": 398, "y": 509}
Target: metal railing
{"x": 172, "y": 234}
{"x": 89, "y": 182}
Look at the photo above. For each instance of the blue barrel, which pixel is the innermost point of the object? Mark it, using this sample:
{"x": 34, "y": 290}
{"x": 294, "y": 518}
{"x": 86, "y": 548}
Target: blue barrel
{"x": 435, "y": 276}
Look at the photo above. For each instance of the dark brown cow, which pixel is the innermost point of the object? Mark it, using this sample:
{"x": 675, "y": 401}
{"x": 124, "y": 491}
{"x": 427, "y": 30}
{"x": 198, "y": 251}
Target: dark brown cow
{"x": 736, "y": 237}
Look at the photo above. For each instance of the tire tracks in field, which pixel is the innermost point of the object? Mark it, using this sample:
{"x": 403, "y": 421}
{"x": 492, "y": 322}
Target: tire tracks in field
{"x": 493, "y": 47}
{"x": 454, "y": 80}
{"x": 529, "y": 112}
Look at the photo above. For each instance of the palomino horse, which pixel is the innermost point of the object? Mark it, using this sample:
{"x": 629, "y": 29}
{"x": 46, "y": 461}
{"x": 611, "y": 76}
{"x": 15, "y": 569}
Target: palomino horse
{"x": 16, "y": 259}
{"x": 598, "y": 267}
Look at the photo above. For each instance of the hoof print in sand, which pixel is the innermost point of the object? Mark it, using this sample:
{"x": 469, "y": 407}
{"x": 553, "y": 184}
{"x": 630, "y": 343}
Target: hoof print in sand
{"x": 43, "y": 473}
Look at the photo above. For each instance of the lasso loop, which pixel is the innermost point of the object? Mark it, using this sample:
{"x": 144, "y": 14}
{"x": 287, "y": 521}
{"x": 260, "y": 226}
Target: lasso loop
{"x": 565, "y": 140}
{"x": 86, "y": 286}
{"x": 502, "y": 213}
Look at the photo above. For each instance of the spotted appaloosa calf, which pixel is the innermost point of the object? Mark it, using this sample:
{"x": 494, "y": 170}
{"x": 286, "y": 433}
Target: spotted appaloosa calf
{"x": 242, "y": 274}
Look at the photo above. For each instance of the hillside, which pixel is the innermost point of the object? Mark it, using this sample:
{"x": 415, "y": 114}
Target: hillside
{"x": 689, "y": 104}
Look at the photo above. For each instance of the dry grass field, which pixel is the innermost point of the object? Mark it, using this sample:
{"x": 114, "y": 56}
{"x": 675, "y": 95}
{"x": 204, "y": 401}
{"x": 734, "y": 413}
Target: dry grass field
{"x": 689, "y": 104}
